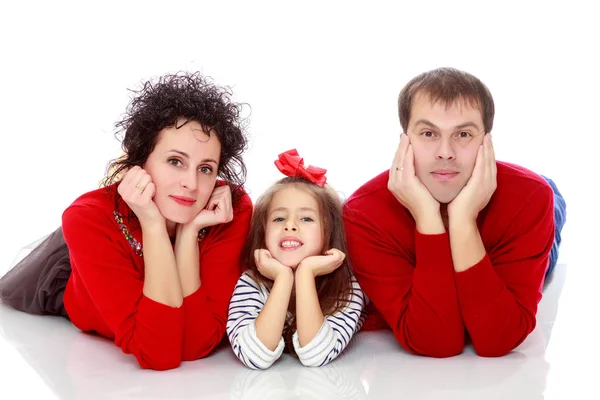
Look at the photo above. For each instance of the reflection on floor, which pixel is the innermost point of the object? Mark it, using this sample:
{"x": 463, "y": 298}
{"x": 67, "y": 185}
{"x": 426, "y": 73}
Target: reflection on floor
{"x": 68, "y": 364}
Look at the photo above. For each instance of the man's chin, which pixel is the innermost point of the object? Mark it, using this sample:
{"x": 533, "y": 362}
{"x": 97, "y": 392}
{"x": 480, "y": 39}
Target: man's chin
{"x": 444, "y": 196}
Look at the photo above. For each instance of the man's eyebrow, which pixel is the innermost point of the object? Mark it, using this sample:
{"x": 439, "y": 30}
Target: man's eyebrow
{"x": 426, "y": 122}
{"x": 461, "y": 126}
{"x": 467, "y": 125}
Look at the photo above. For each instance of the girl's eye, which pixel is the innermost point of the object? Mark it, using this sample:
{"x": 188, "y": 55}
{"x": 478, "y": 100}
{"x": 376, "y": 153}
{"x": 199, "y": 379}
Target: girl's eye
{"x": 206, "y": 170}
{"x": 278, "y": 219}
{"x": 307, "y": 219}
{"x": 175, "y": 162}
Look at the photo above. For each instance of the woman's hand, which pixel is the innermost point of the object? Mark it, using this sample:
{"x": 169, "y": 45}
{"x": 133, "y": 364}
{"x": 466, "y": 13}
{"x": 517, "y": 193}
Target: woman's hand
{"x": 137, "y": 190}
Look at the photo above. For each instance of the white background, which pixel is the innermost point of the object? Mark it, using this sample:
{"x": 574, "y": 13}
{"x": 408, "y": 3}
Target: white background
{"x": 322, "y": 77}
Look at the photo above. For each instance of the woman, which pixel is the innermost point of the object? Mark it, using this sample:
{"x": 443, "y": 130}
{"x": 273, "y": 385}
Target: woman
{"x": 153, "y": 256}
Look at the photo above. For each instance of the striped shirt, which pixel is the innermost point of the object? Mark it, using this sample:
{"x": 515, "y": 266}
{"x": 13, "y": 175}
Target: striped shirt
{"x": 334, "y": 335}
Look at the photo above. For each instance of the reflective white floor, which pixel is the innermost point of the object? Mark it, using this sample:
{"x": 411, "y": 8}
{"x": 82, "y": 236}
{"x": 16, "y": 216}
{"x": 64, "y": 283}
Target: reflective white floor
{"x": 46, "y": 357}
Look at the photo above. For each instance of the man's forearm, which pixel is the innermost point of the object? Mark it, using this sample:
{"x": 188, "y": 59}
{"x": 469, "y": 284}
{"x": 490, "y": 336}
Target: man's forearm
{"x": 465, "y": 243}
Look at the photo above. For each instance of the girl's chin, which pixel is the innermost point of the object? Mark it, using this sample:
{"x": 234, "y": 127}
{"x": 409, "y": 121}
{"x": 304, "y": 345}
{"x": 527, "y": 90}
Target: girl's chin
{"x": 293, "y": 264}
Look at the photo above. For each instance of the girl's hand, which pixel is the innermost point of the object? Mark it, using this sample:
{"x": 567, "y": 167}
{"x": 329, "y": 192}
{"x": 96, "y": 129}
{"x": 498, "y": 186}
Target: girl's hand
{"x": 323, "y": 265}
{"x": 268, "y": 266}
{"x": 137, "y": 190}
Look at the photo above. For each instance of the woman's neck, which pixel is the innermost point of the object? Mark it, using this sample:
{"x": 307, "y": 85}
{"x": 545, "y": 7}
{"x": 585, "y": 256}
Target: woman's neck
{"x": 171, "y": 229}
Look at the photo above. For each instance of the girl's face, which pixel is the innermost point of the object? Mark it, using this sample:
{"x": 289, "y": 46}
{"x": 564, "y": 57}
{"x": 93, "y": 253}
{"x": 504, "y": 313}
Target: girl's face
{"x": 183, "y": 166}
{"x": 294, "y": 230}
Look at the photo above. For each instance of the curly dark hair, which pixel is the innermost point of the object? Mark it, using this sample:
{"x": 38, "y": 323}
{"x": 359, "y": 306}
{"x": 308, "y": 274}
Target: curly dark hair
{"x": 158, "y": 105}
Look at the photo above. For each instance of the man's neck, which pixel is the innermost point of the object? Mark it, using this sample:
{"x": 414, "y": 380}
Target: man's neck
{"x": 444, "y": 213}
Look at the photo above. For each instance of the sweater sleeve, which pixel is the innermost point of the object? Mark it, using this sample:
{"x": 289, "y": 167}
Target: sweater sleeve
{"x": 499, "y": 295}
{"x": 415, "y": 294}
{"x": 335, "y": 333}
{"x": 151, "y": 331}
{"x": 206, "y": 308}
{"x": 246, "y": 303}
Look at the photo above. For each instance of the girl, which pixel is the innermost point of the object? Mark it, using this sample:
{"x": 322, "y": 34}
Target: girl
{"x": 151, "y": 259}
{"x": 298, "y": 290}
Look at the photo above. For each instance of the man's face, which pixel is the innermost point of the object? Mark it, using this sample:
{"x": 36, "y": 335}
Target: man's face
{"x": 445, "y": 141}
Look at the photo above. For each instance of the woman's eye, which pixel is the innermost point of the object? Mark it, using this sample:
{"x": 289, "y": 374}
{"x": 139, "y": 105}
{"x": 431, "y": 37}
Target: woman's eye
{"x": 206, "y": 170}
{"x": 175, "y": 162}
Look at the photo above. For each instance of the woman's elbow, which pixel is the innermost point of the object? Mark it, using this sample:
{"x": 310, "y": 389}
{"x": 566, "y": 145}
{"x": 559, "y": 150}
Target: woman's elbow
{"x": 160, "y": 365}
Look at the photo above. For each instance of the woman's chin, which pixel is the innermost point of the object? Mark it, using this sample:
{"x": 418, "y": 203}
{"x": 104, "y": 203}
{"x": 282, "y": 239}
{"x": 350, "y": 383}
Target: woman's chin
{"x": 179, "y": 218}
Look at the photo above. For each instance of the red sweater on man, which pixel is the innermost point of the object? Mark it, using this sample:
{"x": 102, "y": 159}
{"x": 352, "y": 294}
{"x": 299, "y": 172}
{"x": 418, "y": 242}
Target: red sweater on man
{"x": 104, "y": 292}
{"x": 410, "y": 278}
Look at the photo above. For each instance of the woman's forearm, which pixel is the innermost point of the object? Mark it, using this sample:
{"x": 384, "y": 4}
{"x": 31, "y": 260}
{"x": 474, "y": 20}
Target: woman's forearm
{"x": 161, "y": 278}
{"x": 187, "y": 258}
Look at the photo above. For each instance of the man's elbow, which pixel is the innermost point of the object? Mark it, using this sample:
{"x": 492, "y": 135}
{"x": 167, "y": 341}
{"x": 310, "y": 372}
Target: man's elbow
{"x": 448, "y": 347}
{"x": 492, "y": 349}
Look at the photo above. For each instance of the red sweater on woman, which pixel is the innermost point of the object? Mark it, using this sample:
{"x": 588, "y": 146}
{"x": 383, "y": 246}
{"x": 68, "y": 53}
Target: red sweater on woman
{"x": 410, "y": 277}
{"x": 104, "y": 292}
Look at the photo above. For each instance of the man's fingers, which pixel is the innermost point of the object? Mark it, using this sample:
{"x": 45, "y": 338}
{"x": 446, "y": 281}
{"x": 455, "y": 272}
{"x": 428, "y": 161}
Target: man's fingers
{"x": 409, "y": 162}
{"x": 491, "y": 155}
{"x": 400, "y": 153}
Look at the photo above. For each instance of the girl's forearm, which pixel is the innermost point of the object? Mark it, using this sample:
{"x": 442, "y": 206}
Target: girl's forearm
{"x": 309, "y": 316}
{"x": 271, "y": 319}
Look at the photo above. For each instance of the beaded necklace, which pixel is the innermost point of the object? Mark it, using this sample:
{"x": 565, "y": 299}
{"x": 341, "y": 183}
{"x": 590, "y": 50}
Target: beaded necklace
{"x": 135, "y": 245}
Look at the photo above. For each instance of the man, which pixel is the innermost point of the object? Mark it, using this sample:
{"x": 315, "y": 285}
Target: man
{"x": 449, "y": 242}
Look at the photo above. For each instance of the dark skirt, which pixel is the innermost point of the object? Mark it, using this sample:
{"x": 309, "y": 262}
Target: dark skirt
{"x": 36, "y": 285}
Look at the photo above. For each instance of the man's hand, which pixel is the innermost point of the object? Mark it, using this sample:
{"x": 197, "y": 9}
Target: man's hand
{"x": 410, "y": 191}
{"x": 476, "y": 194}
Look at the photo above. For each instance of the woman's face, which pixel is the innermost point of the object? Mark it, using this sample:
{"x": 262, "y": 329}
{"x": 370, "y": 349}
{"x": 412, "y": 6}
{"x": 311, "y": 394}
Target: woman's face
{"x": 183, "y": 167}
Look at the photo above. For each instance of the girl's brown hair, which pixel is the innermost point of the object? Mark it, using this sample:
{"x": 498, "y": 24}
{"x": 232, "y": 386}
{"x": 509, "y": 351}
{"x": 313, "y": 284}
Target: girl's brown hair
{"x": 335, "y": 289}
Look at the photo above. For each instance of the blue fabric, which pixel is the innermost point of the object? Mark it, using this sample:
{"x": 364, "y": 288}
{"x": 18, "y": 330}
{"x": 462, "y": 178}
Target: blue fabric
{"x": 560, "y": 216}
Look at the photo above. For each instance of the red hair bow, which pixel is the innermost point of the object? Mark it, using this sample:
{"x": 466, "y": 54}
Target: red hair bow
{"x": 291, "y": 164}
